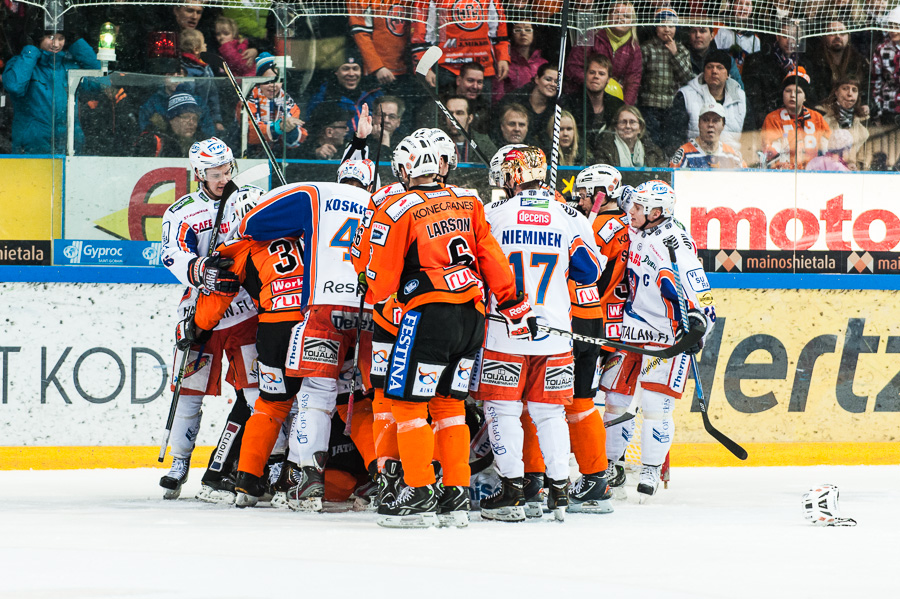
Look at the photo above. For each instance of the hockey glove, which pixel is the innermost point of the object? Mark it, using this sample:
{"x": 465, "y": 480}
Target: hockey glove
{"x": 187, "y": 334}
{"x": 521, "y": 323}
{"x": 697, "y": 320}
{"x": 361, "y": 285}
{"x": 211, "y": 274}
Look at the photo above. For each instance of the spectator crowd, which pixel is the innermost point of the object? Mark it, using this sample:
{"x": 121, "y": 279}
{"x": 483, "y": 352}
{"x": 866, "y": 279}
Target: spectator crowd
{"x": 634, "y": 95}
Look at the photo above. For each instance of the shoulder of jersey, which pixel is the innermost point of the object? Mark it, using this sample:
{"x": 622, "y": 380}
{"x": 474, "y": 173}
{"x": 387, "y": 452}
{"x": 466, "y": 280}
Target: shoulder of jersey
{"x": 385, "y": 192}
{"x": 185, "y": 200}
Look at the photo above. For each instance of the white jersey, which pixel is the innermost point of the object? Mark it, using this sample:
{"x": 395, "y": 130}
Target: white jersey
{"x": 325, "y": 216}
{"x": 546, "y": 243}
{"x": 186, "y": 232}
{"x": 652, "y": 312}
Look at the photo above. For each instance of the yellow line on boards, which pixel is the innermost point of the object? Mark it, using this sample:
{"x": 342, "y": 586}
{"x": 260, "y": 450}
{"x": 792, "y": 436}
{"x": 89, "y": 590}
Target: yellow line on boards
{"x": 683, "y": 455}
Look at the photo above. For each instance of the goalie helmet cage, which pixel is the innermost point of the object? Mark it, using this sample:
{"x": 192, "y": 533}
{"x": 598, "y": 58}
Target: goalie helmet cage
{"x": 799, "y": 19}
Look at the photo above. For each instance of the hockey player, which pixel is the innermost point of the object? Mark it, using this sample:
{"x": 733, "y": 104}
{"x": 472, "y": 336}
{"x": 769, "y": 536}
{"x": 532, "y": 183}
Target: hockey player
{"x": 435, "y": 251}
{"x": 653, "y": 317}
{"x": 326, "y": 216}
{"x": 546, "y": 242}
{"x": 186, "y": 231}
{"x": 596, "y": 312}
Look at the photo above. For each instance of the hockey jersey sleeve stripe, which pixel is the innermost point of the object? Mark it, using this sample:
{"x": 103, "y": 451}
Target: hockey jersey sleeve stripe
{"x": 187, "y": 239}
{"x": 666, "y": 282}
{"x": 584, "y": 268}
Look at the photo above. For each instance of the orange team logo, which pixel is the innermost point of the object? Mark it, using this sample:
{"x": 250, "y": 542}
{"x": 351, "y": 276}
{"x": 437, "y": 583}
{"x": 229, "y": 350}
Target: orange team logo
{"x": 427, "y": 378}
{"x": 468, "y": 15}
{"x": 195, "y": 366}
{"x": 396, "y": 20}
{"x": 380, "y": 356}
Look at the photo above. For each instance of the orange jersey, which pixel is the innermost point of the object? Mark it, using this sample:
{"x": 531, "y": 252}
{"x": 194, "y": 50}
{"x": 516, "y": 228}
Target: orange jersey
{"x": 362, "y": 246}
{"x": 607, "y": 298}
{"x": 270, "y": 271}
{"x": 473, "y": 31}
{"x": 381, "y": 32}
{"x": 433, "y": 245}
{"x": 779, "y": 135}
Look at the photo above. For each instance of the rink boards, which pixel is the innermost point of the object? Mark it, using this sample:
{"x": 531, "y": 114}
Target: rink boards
{"x": 796, "y": 376}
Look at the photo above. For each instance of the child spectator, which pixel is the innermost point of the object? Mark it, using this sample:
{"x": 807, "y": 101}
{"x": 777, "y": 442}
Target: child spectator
{"x": 192, "y": 44}
{"x": 794, "y": 126}
{"x": 275, "y": 112}
{"x": 835, "y": 159}
{"x": 667, "y": 67}
{"x": 232, "y": 46}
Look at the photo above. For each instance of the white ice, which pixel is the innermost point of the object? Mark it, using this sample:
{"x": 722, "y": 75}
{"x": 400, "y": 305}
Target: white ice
{"x": 714, "y": 533}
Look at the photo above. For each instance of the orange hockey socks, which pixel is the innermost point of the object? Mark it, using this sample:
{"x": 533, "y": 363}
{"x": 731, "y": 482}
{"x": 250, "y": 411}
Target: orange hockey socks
{"x": 384, "y": 429}
{"x": 452, "y": 439}
{"x": 587, "y": 434}
{"x": 361, "y": 428}
{"x": 261, "y": 433}
{"x": 415, "y": 440}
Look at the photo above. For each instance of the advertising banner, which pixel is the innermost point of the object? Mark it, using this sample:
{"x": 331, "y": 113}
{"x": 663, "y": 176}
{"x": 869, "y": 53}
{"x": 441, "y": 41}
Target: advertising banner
{"x": 30, "y": 204}
{"x": 107, "y": 253}
{"x": 25, "y": 253}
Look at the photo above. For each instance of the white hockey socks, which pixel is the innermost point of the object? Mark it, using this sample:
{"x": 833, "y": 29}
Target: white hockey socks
{"x": 311, "y": 430}
{"x": 617, "y": 436}
{"x": 186, "y": 425}
{"x": 507, "y": 436}
{"x": 659, "y": 427}
{"x": 553, "y": 437}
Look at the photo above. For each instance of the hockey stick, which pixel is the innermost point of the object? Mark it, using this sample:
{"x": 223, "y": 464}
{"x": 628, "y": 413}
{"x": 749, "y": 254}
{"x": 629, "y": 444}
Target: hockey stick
{"x": 595, "y": 209}
{"x": 429, "y": 59}
{"x": 688, "y": 340}
{"x": 262, "y": 139}
{"x": 557, "y": 109}
{"x": 671, "y": 243}
{"x": 230, "y": 188}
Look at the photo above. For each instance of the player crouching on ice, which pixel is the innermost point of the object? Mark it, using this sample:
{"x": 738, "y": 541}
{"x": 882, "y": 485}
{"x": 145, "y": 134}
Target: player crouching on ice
{"x": 653, "y": 317}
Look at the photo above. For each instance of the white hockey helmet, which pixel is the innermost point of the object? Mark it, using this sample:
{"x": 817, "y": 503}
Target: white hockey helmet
{"x": 417, "y": 156}
{"x": 523, "y": 165}
{"x": 820, "y": 506}
{"x": 209, "y": 153}
{"x": 445, "y": 146}
{"x": 655, "y": 194}
{"x": 360, "y": 170}
{"x": 599, "y": 176}
{"x": 495, "y": 177}
{"x": 245, "y": 199}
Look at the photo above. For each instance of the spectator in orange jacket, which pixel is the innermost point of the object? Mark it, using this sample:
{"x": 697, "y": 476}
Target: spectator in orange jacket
{"x": 793, "y": 134}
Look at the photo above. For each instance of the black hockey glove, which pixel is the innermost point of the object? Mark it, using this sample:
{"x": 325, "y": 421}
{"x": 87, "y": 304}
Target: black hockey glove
{"x": 521, "y": 322}
{"x": 187, "y": 334}
{"x": 697, "y": 320}
{"x": 212, "y": 275}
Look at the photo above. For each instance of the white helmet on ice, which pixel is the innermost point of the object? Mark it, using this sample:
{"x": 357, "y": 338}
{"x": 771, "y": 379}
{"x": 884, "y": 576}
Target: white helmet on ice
{"x": 820, "y": 506}
{"x": 599, "y": 176}
{"x": 245, "y": 199}
{"x": 360, "y": 170}
{"x": 210, "y": 153}
{"x": 442, "y": 143}
{"x": 417, "y": 156}
{"x": 655, "y": 194}
{"x": 495, "y": 177}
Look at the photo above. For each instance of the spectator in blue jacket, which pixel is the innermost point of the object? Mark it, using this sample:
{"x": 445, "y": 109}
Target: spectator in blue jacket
{"x": 343, "y": 91}
{"x": 36, "y": 81}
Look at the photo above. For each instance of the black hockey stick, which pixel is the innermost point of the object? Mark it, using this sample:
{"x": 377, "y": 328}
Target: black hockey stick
{"x": 557, "y": 109}
{"x": 230, "y": 188}
{"x": 429, "y": 59}
{"x": 620, "y": 419}
{"x": 671, "y": 243}
{"x": 262, "y": 139}
{"x": 688, "y": 340}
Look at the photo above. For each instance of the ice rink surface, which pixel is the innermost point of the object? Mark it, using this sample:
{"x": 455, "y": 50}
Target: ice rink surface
{"x": 714, "y": 533}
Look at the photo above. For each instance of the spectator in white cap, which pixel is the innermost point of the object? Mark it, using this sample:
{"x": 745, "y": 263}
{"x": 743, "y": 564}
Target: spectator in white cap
{"x": 835, "y": 158}
{"x": 707, "y": 150}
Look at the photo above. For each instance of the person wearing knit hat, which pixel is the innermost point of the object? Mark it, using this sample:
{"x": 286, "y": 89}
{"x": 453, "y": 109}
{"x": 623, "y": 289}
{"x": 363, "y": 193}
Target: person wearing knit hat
{"x": 275, "y": 111}
{"x": 344, "y": 90}
{"x": 835, "y": 158}
{"x": 265, "y": 62}
{"x": 719, "y": 56}
{"x": 793, "y": 126}
{"x": 181, "y": 103}
{"x": 181, "y": 131}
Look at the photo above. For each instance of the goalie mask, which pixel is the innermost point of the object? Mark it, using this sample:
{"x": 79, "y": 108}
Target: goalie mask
{"x": 495, "y": 177}
{"x": 655, "y": 194}
{"x": 523, "y": 165}
{"x": 820, "y": 506}
{"x": 358, "y": 170}
{"x": 210, "y": 153}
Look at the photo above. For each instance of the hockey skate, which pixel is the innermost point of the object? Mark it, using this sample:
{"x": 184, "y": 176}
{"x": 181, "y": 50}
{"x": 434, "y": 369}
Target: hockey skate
{"x": 389, "y": 482}
{"x": 508, "y": 503}
{"x": 534, "y": 495}
{"x": 250, "y": 488}
{"x": 415, "y": 507}
{"x": 648, "y": 482}
{"x": 615, "y": 477}
{"x": 307, "y": 485}
{"x": 218, "y": 490}
{"x": 453, "y": 506}
{"x": 590, "y": 494}
{"x": 557, "y": 498}
{"x": 176, "y": 477}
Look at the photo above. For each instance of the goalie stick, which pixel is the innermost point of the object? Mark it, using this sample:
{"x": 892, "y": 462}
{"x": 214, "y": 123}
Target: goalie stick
{"x": 251, "y": 174}
{"x": 557, "y": 109}
{"x": 687, "y": 341}
{"x": 671, "y": 243}
{"x": 429, "y": 59}
{"x": 262, "y": 139}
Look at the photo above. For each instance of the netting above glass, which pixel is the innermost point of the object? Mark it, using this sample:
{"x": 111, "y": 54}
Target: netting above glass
{"x": 794, "y": 18}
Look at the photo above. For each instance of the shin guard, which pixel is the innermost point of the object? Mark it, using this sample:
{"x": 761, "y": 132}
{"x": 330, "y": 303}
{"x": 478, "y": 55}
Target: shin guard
{"x": 415, "y": 440}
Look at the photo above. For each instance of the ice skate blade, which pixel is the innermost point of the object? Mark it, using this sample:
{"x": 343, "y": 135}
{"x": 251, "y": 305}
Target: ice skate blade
{"x": 363, "y": 505}
{"x": 594, "y": 506}
{"x": 172, "y": 493}
{"x": 534, "y": 509}
{"x": 559, "y": 514}
{"x": 280, "y": 501}
{"x": 209, "y": 495}
{"x": 307, "y": 504}
{"x": 245, "y": 500}
{"x": 514, "y": 513}
{"x": 425, "y": 520}
{"x": 457, "y": 519}
{"x": 619, "y": 493}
